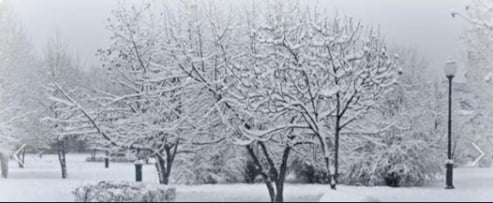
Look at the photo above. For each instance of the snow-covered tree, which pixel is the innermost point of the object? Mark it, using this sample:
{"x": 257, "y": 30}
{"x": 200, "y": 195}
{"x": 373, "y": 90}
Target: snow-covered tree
{"x": 212, "y": 48}
{"x": 282, "y": 77}
{"x": 16, "y": 69}
{"x": 478, "y": 37}
{"x": 360, "y": 71}
{"x": 270, "y": 92}
{"x": 148, "y": 113}
{"x": 273, "y": 94}
{"x": 62, "y": 119}
{"x": 314, "y": 74}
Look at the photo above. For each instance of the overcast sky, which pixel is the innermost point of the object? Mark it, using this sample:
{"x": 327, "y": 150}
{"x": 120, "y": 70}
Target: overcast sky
{"x": 425, "y": 25}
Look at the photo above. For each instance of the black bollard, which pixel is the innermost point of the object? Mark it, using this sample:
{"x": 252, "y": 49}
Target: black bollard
{"x": 107, "y": 160}
{"x": 138, "y": 170}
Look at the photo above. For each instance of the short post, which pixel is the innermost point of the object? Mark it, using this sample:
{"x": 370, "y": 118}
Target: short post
{"x": 107, "y": 160}
{"x": 93, "y": 155}
{"x": 138, "y": 170}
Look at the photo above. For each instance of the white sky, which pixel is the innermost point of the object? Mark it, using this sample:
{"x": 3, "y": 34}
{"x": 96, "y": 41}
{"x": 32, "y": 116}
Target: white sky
{"x": 425, "y": 25}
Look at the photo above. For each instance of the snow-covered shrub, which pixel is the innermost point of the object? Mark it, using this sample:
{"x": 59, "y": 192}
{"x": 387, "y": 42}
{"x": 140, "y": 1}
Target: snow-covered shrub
{"x": 112, "y": 159}
{"x": 308, "y": 172}
{"x": 124, "y": 192}
{"x": 398, "y": 163}
{"x": 250, "y": 172}
{"x": 221, "y": 165}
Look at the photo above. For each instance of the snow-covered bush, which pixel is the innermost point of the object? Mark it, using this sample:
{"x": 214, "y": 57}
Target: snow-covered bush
{"x": 399, "y": 143}
{"x": 224, "y": 164}
{"x": 250, "y": 172}
{"x": 399, "y": 163}
{"x": 309, "y": 172}
{"x": 112, "y": 159}
{"x": 124, "y": 192}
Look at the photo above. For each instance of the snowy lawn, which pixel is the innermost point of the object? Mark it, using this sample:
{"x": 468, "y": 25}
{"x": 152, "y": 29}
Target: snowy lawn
{"x": 40, "y": 181}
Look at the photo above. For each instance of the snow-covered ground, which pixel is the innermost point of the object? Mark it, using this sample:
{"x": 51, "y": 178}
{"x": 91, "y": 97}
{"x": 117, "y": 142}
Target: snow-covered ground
{"x": 40, "y": 181}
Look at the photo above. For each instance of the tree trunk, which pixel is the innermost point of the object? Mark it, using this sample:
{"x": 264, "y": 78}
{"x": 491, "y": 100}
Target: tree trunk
{"x": 337, "y": 128}
{"x": 162, "y": 171}
{"x": 282, "y": 175}
{"x": 272, "y": 191}
{"x": 274, "y": 179}
{"x": 22, "y": 158}
{"x": 336, "y": 155}
{"x": 329, "y": 174}
{"x": 164, "y": 166}
{"x": 62, "y": 158}
{"x": 4, "y": 164}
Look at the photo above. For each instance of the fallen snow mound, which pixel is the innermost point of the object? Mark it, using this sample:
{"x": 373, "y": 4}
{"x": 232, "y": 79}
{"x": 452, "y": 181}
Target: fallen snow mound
{"x": 341, "y": 195}
{"x": 124, "y": 192}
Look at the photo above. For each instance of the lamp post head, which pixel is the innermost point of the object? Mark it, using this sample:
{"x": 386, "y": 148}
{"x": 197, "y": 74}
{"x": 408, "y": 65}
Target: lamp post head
{"x": 450, "y": 68}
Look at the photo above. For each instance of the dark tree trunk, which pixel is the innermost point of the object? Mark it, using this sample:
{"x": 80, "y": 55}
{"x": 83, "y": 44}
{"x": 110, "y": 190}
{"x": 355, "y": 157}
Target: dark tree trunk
{"x": 162, "y": 170}
{"x": 4, "y": 164}
{"x": 164, "y": 166}
{"x": 273, "y": 178}
{"x": 264, "y": 175}
{"x": 62, "y": 157}
{"x": 282, "y": 175}
{"x": 328, "y": 173}
{"x": 334, "y": 182}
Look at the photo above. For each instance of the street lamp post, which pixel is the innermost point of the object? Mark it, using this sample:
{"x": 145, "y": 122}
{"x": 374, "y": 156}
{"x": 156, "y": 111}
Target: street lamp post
{"x": 450, "y": 70}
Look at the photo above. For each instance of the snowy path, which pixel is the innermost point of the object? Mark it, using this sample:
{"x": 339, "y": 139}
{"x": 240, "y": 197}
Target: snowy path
{"x": 40, "y": 182}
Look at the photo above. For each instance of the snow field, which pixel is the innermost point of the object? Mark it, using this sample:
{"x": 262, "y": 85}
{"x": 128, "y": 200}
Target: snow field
{"x": 40, "y": 181}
